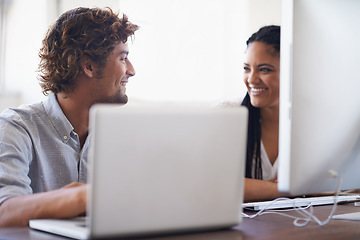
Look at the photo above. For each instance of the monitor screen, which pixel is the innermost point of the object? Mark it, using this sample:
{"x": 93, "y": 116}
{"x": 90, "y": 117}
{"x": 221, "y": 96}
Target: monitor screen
{"x": 319, "y": 96}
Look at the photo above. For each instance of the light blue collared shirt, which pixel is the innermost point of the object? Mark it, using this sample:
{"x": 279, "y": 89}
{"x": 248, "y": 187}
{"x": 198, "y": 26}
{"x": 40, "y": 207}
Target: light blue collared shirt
{"x": 39, "y": 150}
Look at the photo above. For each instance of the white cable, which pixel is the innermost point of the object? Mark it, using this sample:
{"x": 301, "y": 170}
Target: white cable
{"x": 307, "y": 212}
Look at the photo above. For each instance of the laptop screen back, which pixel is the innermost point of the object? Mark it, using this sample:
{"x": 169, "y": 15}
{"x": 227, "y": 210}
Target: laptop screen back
{"x": 165, "y": 169}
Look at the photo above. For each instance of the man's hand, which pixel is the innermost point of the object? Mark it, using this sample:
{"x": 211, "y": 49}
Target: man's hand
{"x": 69, "y": 201}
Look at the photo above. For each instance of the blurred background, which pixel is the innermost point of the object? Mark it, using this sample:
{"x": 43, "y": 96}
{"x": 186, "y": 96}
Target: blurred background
{"x": 185, "y": 50}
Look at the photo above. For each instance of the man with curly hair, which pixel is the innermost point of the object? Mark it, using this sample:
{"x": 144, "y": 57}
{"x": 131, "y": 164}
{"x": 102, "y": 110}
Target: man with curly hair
{"x": 44, "y": 146}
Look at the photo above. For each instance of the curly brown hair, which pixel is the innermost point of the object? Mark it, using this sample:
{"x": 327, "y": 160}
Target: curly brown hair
{"x": 78, "y": 33}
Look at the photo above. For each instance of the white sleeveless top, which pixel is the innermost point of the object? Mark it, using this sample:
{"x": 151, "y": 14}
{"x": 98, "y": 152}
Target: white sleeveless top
{"x": 269, "y": 171}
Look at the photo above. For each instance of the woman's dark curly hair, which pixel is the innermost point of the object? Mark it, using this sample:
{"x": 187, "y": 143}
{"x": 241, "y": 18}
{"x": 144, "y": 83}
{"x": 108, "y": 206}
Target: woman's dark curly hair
{"x": 78, "y": 33}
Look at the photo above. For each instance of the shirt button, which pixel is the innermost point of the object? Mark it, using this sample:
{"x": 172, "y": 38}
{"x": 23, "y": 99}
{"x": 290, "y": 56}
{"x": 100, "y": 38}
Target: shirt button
{"x": 65, "y": 137}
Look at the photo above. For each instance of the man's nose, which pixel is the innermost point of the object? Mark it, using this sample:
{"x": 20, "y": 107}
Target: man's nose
{"x": 130, "y": 68}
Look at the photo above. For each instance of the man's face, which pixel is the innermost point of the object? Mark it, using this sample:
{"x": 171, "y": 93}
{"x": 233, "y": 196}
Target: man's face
{"x": 111, "y": 86}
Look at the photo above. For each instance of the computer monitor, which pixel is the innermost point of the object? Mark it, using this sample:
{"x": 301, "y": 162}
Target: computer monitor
{"x": 319, "y": 96}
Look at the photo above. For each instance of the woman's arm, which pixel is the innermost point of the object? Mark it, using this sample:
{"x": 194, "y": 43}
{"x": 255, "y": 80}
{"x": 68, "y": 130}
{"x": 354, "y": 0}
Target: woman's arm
{"x": 69, "y": 201}
{"x": 259, "y": 190}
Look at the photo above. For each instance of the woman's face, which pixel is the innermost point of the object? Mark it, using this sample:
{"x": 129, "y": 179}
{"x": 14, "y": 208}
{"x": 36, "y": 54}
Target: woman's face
{"x": 261, "y": 74}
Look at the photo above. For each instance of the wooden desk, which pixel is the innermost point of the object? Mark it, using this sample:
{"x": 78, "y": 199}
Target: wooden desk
{"x": 269, "y": 226}
{"x": 272, "y": 226}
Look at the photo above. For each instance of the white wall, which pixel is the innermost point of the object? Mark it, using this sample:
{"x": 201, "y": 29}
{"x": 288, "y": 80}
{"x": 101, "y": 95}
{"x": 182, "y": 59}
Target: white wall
{"x": 264, "y": 12}
{"x": 26, "y": 23}
{"x": 185, "y": 50}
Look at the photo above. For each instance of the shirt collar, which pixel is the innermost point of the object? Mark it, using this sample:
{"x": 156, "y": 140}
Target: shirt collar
{"x": 57, "y": 118}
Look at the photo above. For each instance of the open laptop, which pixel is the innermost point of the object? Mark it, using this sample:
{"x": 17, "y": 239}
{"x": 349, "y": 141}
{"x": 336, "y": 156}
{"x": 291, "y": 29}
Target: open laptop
{"x": 160, "y": 170}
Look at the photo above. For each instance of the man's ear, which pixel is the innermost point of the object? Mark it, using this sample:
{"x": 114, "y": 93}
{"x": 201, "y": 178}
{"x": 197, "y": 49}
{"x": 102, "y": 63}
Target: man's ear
{"x": 88, "y": 67}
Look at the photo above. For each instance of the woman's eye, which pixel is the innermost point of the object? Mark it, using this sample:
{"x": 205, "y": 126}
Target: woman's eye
{"x": 265, "y": 70}
{"x": 246, "y": 69}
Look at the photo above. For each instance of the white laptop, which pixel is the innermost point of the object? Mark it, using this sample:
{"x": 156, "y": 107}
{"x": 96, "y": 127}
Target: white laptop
{"x": 160, "y": 170}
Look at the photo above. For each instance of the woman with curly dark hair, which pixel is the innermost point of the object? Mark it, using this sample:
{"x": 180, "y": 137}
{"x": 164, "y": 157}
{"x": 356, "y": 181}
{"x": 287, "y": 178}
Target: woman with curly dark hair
{"x": 44, "y": 146}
